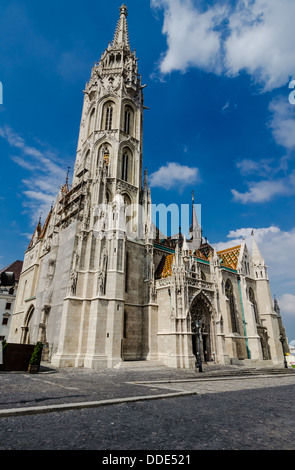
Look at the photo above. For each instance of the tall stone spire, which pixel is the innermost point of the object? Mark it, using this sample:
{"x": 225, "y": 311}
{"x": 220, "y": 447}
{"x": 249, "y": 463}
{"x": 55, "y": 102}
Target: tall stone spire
{"x": 258, "y": 261}
{"x": 121, "y": 37}
{"x": 256, "y": 255}
{"x": 195, "y": 228}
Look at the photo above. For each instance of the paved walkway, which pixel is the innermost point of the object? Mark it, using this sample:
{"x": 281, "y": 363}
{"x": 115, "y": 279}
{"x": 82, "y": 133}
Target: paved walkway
{"x": 148, "y": 409}
{"x": 63, "y": 389}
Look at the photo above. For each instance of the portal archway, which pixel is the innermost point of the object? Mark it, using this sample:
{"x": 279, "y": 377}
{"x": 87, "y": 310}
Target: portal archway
{"x": 201, "y": 311}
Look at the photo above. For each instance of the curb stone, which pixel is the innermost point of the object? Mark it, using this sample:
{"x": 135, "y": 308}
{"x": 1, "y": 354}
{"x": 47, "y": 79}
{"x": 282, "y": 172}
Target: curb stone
{"x": 90, "y": 404}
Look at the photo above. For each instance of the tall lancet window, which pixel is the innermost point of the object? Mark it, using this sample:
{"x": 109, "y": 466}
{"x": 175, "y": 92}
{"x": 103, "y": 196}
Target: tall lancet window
{"x": 128, "y": 116}
{"x": 232, "y": 308}
{"x": 109, "y": 117}
{"x": 125, "y": 167}
{"x": 127, "y": 122}
{"x": 91, "y": 122}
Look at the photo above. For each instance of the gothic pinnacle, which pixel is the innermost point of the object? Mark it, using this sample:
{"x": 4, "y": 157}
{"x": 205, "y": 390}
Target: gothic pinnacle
{"x": 121, "y": 36}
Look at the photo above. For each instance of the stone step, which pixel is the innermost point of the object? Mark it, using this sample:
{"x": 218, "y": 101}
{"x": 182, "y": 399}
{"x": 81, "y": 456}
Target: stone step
{"x": 242, "y": 372}
{"x": 144, "y": 364}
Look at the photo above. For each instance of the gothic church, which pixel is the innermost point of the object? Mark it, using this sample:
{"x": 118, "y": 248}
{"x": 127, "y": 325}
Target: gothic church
{"x": 101, "y": 285}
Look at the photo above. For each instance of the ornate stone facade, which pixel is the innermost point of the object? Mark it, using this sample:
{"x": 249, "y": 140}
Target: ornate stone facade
{"x": 98, "y": 288}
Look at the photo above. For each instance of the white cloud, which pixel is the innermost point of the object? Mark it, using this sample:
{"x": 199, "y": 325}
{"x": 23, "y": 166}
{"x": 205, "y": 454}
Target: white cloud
{"x": 282, "y": 122}
{"x": 249, "y": 167}
{"x": 252, "y": 36}
{"x": 11, "y": 137}
{"x": 279, "y": 178}
{"x": 278, "y": 250}
{"x": 245, "y": 234}
{"x": 266, "y": 190}
{"x": 45, "y": 174}
{"x": 191, "y": 37}
{"x": 174, "y": 176}
{"x": 261, "y": 41}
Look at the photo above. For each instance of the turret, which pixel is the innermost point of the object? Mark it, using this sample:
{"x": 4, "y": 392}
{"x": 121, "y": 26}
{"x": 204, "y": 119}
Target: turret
{"x": 258, "y": 263}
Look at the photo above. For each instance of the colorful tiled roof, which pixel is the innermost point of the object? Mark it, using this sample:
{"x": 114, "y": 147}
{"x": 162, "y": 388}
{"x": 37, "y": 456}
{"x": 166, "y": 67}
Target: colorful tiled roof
{"x": 230, "y": 256}
{"x": 167, "y": 268}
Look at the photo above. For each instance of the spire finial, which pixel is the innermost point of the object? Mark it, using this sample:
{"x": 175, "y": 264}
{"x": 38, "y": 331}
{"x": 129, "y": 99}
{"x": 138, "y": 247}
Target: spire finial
{"x": 121, "y": 34}
{"x": 39, "y": 223}
{"x": 123, "y": 10}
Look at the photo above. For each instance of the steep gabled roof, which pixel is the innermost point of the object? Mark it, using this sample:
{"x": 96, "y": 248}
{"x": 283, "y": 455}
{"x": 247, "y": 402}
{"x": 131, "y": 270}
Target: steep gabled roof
{"x": 15, "y": 267}
{"x": 40, "y": 231}
{"x": 36, "y": 235}
{"x": 45, "y": 226}
{"x": 229, "y": 257}
{"x": 206, "y": 251}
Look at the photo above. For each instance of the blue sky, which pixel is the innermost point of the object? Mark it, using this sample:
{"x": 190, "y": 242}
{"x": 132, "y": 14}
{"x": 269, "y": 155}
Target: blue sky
{"x": 219, "y": 120}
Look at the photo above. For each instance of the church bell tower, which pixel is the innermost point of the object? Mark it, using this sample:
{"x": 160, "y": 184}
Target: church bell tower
{"x": 110, "y": 141}
{"x": 107, "y": 181}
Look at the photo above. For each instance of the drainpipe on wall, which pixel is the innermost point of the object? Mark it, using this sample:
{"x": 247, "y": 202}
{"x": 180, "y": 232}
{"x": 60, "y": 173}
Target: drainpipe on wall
{"x": 243, "y": 315}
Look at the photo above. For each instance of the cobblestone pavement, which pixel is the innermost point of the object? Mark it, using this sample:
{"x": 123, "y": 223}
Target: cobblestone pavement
{"x": 224, "y": 411}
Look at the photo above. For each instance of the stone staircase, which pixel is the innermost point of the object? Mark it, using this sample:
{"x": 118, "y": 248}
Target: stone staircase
{"x": 242, "y": 371}
{"x": 209, "y": 369}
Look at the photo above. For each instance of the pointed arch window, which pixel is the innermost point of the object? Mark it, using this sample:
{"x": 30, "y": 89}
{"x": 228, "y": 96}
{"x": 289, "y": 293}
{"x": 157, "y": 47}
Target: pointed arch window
{"x": 125, "y": 166}
{"x": 109, "y": 117}
{"x": 87, "y": 161}
{"x": 127, "y": 122}
{"x": 232, "y": 308}
{"x": 103, "y": 158}
{"x": 91, "y": 122}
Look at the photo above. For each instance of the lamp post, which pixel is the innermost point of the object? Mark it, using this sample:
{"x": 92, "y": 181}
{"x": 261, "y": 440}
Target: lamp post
{"x": 282, "y": 340}
{"x": 199, "y": 357}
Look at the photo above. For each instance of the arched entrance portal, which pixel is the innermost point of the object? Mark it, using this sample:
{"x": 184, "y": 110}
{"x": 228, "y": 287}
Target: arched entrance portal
{"x": 25, "y": 338}
{"x": 200, "y": 312}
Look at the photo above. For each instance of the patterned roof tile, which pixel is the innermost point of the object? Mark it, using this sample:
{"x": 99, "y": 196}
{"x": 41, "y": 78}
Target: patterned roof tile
{"x": 230, "y": 256}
